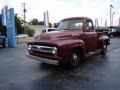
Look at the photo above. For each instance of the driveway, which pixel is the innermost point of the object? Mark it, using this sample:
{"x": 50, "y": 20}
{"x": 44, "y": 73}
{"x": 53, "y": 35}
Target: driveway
{"x": 18, "y": 72}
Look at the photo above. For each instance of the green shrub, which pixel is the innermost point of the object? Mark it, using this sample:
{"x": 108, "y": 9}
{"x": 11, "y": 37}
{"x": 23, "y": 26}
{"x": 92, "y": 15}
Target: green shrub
{"x": 30, "y": 32}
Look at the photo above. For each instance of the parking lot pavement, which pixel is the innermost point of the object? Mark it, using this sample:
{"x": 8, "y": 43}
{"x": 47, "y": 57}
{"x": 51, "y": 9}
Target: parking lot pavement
{"x": 17, "y": 72}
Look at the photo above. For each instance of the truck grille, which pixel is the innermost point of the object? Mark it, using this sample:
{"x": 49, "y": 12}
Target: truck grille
{"x": 46, "y": 49}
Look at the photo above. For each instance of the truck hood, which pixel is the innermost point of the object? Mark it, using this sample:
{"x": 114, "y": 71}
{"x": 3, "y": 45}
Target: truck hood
{"x": 54, "y": 36}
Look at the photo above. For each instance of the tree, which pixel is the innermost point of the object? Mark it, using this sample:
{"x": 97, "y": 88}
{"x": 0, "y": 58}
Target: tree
{"x": 50, "y": 25}
{"x": 30, "y": 32}
{"x": 18, "y": 24}
{"x": 34, "y": 21}
{"x": 41, "y": 23}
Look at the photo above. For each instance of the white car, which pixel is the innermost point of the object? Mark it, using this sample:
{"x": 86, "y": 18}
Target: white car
{"x": 49, "y": 30}
{"x": 22, "y": 36}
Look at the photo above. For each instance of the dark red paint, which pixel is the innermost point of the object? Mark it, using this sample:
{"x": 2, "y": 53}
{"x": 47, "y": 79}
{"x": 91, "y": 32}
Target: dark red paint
{"x": 67, "y": 40}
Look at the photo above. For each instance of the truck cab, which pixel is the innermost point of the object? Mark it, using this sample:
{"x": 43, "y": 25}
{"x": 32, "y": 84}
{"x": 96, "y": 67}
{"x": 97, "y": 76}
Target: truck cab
{"x": 81, "y": 29}
{"x": 74, "y": 40}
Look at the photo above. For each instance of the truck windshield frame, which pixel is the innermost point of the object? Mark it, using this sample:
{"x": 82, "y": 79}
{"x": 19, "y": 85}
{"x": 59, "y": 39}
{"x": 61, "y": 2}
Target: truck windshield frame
{"x": 71, "y": 25}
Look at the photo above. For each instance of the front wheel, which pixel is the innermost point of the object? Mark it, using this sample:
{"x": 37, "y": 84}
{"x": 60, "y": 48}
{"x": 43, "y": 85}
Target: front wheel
{"x": 103, "y": 52}
{"x": 76, "y": 59}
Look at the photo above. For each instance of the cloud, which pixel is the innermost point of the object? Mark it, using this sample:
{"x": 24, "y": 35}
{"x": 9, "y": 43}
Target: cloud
{"x": 59, "y": 9}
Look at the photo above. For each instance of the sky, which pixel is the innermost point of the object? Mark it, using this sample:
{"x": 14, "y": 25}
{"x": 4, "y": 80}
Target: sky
{"x": 60, "y": 9}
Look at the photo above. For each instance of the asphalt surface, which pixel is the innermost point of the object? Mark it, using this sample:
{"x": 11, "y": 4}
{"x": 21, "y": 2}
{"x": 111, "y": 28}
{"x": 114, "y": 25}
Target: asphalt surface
{"x": 18, "y": 72}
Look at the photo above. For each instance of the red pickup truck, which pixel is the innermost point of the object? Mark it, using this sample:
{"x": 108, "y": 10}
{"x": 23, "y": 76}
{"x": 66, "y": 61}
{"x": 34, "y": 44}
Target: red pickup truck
{"x": 74, "y": 40}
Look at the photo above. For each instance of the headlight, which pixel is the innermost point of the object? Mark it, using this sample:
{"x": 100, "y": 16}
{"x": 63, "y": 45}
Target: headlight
{"x": 54, "y": 51}
{"x": 29, "y": 47}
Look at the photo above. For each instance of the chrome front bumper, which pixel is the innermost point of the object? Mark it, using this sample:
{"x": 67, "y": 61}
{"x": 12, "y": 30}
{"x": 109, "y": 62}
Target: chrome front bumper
{"x": 49, "y": 61}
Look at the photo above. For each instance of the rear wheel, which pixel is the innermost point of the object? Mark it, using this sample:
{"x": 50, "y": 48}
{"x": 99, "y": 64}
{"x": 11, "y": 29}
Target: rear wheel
{"x": 103, "y": 52}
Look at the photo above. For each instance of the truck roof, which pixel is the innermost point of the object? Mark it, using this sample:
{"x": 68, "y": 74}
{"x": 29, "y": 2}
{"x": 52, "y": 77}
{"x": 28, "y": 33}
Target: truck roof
{"x": 76, "y": 18}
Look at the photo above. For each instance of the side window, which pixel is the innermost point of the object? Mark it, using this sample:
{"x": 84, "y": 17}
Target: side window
{"x": 89, "y": 25}
{"x": 78, "y": 25}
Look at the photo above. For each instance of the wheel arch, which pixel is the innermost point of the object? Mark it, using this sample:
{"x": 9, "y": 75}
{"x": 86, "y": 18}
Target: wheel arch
{"x": 80, "y": 49}
{"x": 104, "y": 40}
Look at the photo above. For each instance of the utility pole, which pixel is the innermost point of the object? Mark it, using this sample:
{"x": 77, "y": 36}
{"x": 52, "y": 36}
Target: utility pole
{"x": 24, "y": 15}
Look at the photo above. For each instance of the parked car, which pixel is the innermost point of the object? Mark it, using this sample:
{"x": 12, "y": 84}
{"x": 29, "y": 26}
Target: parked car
{"x": 103, "y": 29}
{"x": 114, "y": 32}
{"x": 74, "y": 40}
{"x": 2, "y": 41}
{"x": 49, "y": 29}
{"x": 22, "y": 36}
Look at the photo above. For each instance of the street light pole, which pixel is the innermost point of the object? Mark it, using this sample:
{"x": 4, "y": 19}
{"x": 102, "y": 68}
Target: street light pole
{"x": 111, "y": 6}
{"x": 113, "y": 17}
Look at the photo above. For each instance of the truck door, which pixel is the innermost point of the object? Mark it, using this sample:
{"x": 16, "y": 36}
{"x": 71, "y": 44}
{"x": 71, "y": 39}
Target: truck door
{"x": 90, "y": 36}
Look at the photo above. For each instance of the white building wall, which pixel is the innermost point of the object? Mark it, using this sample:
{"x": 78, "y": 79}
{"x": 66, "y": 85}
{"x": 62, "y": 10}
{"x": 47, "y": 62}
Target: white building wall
{"x": 38, "y": 28}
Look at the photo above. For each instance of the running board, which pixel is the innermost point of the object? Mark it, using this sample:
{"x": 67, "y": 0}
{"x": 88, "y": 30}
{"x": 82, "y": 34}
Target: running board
{"x": 92, "y": 53}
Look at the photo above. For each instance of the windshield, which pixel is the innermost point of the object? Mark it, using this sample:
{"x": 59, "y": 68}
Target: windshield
{"x": 70, "y": 25}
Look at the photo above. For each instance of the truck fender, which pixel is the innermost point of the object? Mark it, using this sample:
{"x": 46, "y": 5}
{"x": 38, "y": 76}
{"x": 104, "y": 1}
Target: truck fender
{"x": 80, "y": 46}
{"x": 105, "y": 40}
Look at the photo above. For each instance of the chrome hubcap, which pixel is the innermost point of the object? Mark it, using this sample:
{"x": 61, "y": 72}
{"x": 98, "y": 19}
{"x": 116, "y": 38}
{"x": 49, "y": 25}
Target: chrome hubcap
{"x": 105, "y": 48}
{"x": 75, "y": 59}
